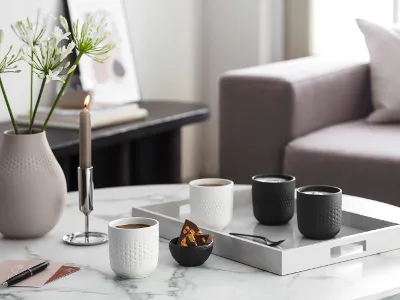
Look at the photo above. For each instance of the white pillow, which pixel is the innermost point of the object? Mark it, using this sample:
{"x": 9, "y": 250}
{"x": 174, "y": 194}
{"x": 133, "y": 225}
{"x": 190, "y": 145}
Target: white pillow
{"x": 384, "y": 49}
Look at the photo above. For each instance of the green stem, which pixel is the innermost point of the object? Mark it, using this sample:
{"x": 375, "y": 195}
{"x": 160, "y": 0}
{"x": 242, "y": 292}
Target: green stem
{"x": 31, "y": 102}
{"x": 37, "y": 105}
{"x": 8, "y": 107}
{"x": 61, "y": 92}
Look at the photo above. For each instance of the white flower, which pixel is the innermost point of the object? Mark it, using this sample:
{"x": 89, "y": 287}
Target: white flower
{"x": 49, "y": 59}
{"x": 43, "y": 49}
{"x": 53, "y": 76}
{"x": 27, "y": 58}
{"x": 64, "y": 23}
{"x": 7, "y": 62}
{"x": 66, "y": 51}
{"x": 71, "y": 47}
{"x": 59, "y": 35}
{"x": 92, "y": 37}
{"x": 31, "y": 33}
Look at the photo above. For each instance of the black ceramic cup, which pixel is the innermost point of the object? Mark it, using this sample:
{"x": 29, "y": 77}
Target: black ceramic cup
{"x": 190, "y": 256}
{"x": 273, "y": 198}
{"x": 319, "y": 211}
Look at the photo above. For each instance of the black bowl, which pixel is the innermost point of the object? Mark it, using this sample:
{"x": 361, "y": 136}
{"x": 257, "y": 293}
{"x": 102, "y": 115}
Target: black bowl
{"x": 190, "y": 256}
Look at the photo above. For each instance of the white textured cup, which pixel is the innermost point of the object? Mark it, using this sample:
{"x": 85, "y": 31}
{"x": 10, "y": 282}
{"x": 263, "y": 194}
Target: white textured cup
{"x": 133, "y": 252}
{"x": 211, "y": 206}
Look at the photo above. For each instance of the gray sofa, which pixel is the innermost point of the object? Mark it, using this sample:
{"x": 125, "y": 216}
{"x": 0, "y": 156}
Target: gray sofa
{"x": 305, "y": 117}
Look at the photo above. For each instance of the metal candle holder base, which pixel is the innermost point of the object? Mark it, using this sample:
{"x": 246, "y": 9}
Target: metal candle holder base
{"x": 85, "y": 187}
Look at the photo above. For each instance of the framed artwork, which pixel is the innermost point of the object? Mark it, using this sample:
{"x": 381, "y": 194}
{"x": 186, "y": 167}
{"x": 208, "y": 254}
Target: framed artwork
{"x": 114, "y": 81}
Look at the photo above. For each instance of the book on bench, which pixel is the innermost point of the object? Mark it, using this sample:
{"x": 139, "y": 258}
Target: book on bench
{"x": 101, "y": 116}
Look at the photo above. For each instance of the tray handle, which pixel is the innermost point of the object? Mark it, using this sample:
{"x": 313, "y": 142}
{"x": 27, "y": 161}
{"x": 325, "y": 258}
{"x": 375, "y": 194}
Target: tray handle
{"x": 349, "y": 249}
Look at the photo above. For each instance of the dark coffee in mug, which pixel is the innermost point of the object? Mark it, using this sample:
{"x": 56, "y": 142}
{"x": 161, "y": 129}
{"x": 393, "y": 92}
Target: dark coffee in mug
{"x": 211, "y": 184}
{"x": 132, "y": 226}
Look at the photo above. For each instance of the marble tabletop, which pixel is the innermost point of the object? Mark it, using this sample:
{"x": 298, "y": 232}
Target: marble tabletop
{"x": 374, "y": 277}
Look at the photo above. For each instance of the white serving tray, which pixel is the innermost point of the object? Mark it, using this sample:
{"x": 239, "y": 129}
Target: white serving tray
{"x": 361, "y": 235}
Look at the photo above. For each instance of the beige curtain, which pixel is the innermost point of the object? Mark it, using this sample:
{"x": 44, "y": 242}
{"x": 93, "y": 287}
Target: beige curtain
{"x": 298, "y": 28}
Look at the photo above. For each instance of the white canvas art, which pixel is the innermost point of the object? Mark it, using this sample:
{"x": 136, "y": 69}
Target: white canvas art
{"x": 114, "y": 81}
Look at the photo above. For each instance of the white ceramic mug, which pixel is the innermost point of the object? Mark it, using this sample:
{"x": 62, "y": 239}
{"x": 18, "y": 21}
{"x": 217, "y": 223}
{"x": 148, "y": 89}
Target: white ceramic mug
{"x": 133, "y": 252}
{"x": 211, "y": 206}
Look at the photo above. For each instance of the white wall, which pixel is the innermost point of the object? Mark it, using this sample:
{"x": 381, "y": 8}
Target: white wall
{"x": 166, "y": 38}
{"x": 237, "y": 34}
{"x": 335, "y": 31}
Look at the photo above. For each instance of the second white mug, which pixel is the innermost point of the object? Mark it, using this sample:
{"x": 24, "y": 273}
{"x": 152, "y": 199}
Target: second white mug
{"x": 211, "y": 202}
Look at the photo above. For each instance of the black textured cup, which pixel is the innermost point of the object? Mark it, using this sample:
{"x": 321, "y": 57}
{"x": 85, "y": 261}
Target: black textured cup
{"x": 319, "y": 211}
{"x": 273, "y": 198}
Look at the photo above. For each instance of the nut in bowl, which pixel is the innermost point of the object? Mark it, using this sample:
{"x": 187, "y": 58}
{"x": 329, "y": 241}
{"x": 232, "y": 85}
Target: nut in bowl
{"x": 192, "y": 248}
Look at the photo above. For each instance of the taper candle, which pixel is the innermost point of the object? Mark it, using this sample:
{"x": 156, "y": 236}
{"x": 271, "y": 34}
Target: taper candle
{"x": 85, "y": 137}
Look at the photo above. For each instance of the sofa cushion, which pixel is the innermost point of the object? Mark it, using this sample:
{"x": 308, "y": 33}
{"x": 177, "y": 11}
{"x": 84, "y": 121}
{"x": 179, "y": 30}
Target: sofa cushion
{"x": 361, "y": 158}
{"x": 384, "y": 49}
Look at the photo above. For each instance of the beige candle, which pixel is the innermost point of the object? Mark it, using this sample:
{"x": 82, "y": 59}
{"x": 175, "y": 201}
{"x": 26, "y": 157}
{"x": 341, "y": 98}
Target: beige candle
{"x": 85, "y": 137}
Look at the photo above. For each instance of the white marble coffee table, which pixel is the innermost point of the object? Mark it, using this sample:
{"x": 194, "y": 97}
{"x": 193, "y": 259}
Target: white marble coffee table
{"x": 374, "y": 277}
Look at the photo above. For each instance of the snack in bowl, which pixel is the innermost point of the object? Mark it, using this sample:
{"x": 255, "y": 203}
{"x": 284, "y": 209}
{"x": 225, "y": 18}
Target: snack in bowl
{"x": 192, "y": 248}
{"x": 203, "y": 239}
{"x": 192, "y": 236}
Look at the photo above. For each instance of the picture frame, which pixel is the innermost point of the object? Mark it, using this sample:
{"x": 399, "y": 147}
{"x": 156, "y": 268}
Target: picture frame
{"x": 116, "y": 80}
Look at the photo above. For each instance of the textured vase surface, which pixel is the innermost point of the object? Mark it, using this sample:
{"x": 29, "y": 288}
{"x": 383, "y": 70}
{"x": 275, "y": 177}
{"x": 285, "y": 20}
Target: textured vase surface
{"x": 32, "y": 184}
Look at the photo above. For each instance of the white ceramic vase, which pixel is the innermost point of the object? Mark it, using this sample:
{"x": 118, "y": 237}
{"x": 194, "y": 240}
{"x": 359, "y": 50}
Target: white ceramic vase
{"x": 32, "y": 185}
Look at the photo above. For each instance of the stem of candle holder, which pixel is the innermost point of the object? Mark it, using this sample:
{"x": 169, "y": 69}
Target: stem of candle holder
{"x": 85, "y": 190}
{"x": 87, "y": 228}
{"x": 87, "y": 223}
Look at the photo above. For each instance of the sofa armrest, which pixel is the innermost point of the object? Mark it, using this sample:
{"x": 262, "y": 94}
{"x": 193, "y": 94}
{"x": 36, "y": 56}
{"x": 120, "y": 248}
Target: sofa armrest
{"x": 263, "y": 108}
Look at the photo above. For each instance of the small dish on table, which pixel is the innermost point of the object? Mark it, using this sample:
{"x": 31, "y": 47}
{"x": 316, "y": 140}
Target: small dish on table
{"x": 192, "y": 248}
{"x": 190, "y": 256}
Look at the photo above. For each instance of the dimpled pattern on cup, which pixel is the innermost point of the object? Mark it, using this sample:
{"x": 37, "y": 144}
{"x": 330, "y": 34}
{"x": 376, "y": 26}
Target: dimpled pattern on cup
{"x": 319, "y": 216}
{"x": 213, "y": 210}
{"x": 134, "y": 252}
{"x": 133, "y": 255}
{"x": 273, "y": 203}
{"x": 211, "y": 207}
{"x": 330, "y": 217}
{"x": 286, "y": 201}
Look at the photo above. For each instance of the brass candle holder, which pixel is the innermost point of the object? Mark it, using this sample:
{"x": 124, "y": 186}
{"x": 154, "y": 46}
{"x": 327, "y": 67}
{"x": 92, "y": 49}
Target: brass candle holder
{"x": 85, "y": 190}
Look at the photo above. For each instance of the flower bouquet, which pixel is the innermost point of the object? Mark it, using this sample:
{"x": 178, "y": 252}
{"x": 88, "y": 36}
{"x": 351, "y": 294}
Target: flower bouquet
{"x": 49, "y": 57}
{"x": 32, "y": 182}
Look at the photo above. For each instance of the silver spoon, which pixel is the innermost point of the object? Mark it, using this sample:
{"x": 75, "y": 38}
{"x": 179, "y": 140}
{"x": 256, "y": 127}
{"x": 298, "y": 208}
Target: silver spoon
{"x": 266, "y": 241}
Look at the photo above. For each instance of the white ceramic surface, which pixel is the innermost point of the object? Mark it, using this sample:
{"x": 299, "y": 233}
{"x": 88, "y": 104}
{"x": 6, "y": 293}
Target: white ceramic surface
{"x": 374, "y": 277}
{"x": 133, "y": 252}
{"x": 211, "y": 206}
{"x": 32, "y": 184}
